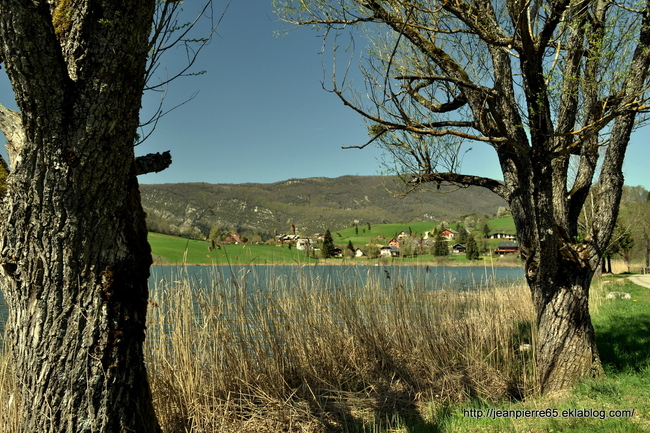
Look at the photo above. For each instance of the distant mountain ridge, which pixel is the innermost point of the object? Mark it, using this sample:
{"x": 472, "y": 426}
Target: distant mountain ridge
{"x": 312, "y": 205}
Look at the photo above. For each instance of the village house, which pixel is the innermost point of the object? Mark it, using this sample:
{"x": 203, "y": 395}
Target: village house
{"x": 403, "y": 235}
{"x": 287, "y": 238}
{"x": 232, "y": 238}
{"x": 394, "y": 243}
{"x": 304, "y": 243}
{"x": 459, "y": 249}
{"x": 358, "y": 252}
{"x": 507, "y": 248}
{"x": 449, "y": 234}
{"x": 389, "y": 251}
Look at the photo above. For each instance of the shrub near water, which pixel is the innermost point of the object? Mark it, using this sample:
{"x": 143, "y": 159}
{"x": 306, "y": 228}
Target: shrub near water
{"x": 292, "y": 354}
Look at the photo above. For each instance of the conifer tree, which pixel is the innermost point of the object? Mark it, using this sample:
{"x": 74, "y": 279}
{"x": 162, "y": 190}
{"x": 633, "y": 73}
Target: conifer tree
{"x": 471, "y": 252}
{"x": 440, "y": 247}
{"x": 328, "y": 245}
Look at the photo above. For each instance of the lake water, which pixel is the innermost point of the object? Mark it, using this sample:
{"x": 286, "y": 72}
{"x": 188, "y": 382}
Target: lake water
{"x": 335, "y": 277}
{"x": 429, "y": 277}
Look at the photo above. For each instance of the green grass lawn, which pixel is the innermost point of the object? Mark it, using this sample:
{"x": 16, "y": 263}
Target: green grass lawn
{"x": 173, "y": 250}
{"x": 623, "y": 334}
{"x": 176, "y": 250}
{"x": 361, "y": 235}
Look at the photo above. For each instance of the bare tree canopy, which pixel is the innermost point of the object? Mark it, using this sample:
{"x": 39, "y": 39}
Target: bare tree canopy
{"x": 74, "y": 257}
{"x": 554, "y": 87}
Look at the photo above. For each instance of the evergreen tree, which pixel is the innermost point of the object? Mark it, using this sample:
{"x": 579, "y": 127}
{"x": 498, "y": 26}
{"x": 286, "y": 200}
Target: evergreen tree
{"x": 327, "y": 250}
{"x": 350, "y": 246}
{"x": 486, "y": 230}
{"x": 462, "y": 234}
{"x": 440, "y": 247}
{"x": 472, "y": 249}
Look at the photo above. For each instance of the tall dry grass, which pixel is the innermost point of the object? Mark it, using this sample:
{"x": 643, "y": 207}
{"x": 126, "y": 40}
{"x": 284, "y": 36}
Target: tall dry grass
{"x": 291, "y": 354}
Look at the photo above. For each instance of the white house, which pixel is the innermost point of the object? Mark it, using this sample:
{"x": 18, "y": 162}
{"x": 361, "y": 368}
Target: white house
{"x": 389, "y": 251}
{"x": 303, "y": 244}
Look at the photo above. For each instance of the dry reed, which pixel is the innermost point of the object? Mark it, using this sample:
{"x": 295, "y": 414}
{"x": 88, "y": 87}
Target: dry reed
{"x": 295, "y": 354}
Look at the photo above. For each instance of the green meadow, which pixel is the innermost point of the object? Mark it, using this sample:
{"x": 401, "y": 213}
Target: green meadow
{"x": 173, "y": 250}
{"x": 618, "y": 402}
{"x": 362, "y": 235}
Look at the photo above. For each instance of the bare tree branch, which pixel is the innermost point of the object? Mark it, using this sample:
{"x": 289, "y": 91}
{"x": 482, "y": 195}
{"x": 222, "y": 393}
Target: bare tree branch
{"x": 495, "y": 186}
{"x": 152, "y": 163}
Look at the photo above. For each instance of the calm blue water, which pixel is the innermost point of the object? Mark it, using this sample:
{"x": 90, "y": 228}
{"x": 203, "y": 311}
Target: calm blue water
{"x": 334, "y": 277}
{"x": 430, "y": 277}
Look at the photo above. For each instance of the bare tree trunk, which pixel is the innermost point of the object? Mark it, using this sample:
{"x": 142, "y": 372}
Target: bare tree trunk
{"x": 73, "y": 245}
{"x": 77, "y": 300}
{"x": 566, "y": 347}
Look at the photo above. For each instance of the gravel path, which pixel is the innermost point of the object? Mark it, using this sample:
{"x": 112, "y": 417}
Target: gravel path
{"x": 641, "y": 280}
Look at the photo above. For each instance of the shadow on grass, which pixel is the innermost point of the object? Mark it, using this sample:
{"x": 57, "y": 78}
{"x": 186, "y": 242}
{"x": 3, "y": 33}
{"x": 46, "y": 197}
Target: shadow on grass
{"x": 391, "y": 411}
{"x": 624, "y": 343}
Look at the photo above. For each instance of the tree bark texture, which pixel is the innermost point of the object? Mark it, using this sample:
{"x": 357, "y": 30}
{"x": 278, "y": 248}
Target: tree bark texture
{"x": 73, "y": 245}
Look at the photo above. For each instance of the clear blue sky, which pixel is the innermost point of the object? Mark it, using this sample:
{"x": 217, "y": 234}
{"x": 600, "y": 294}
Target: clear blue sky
{"x": 261, "y": 114}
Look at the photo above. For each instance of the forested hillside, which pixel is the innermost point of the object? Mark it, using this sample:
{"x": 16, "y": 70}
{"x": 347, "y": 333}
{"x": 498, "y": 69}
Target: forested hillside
{"x": 312, "y": 205}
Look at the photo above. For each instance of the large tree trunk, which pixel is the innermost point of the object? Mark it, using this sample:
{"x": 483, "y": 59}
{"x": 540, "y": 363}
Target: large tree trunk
{"x": 76, "y": 266}
{"x": 566, "y": 348}
{"x": 73, "y": 245}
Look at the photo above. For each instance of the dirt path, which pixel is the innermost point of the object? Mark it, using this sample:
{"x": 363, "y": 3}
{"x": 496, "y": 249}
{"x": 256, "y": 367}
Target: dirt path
{"x": 641, "y": 280}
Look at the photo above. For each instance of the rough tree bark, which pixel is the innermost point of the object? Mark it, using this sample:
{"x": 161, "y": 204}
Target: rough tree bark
{"x": 555, "y": 88}
{"x": 73, "y": 242}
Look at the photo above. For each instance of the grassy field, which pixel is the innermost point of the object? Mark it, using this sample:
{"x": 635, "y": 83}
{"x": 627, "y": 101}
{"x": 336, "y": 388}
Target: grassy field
{"x": 623, "y": 334}
{"x": 361, "y": 235}
{"x": 172, "y": 250}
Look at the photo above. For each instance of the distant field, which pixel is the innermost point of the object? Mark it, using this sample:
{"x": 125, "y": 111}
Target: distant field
{"x": 176, "y": 250}
{"x": 361, "y": 235}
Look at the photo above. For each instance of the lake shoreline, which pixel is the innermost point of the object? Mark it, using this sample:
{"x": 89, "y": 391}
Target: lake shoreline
{"x": 347, "y": 262}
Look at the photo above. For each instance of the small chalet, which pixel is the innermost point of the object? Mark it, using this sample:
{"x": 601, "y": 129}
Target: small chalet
{"x": 389, "y": 251}
{"x": 449, "y": 234}
{"x": 459, "y": 249}
{"x": 358, "y": 252}
{"x": 233, "y": 238}
{"x": 507, "y": 248}
{"x": 337, "y": 252}
{"x": 509, "y": 236}
{"x": 394, "y": 243}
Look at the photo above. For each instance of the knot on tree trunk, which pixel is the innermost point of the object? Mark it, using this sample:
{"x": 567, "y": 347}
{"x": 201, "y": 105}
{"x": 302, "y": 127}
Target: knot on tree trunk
{"x": 152, "y": 163}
